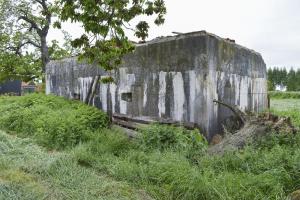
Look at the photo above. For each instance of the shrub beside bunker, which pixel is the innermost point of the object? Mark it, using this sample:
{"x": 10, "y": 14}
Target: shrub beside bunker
{"x": 53, "y": 121}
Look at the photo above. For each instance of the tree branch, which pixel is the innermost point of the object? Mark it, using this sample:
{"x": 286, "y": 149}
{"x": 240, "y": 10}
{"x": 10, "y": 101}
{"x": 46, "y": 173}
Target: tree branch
{"x": 34, "y": 44}
{"x": 17, "y": 49}
{"x": 47, "y": 15}
{"x": 240, "y": 114}
{"x": 31, "y": 22}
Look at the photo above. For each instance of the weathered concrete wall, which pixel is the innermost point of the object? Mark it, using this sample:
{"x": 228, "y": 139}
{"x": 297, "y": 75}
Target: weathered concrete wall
{"x": 173, "y": 78}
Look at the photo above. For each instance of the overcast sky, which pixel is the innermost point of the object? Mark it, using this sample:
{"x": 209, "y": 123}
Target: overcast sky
{"x": 271, "y": 27}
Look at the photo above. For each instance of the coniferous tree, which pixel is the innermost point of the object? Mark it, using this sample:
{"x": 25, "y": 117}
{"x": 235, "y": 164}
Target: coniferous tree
{"x": 291, "y": 86}
{"x": 297, "y": 82}
{"x": 281, "y": 76}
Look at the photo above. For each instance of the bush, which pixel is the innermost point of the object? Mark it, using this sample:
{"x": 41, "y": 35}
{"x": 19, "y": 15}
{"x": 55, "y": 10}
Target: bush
{"x": 164, "y": 137}
{"x": 53, "y": 121}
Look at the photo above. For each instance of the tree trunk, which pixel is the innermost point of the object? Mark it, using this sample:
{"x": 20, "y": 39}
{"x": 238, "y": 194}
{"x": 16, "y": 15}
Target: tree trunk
{"x": 44, "y": 52}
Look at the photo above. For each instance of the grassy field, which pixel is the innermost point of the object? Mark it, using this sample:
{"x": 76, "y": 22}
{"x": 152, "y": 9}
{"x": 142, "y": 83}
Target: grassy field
{"x": 284, "y": 95}
{"x": 287, "y": 107}
{"x": 162, "y": 163}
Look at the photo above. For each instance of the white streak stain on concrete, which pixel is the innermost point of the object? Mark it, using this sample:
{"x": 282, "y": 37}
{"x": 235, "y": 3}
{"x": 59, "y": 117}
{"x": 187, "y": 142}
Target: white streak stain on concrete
{"x": 214, "y": 94}
{"x": 145, "y": 94}
{"x": 48, "y": 84}
{"x": 103, "y": 95}
{"x": 162, "y": 93}
{"x": 113, "y": 89}
{"x": 237, "y": 80}
{"x": 193, "y": 84}
{"x": 122, "y": 88}
{"x": 130, "y": 79}
{"x": 211, "y": 94}
{"x": 178, "y": 88}
{"x": 84, "y": 86}
{"x": 126, "y": 82}
{"x": 255, "y": 96}
{"x": 244, "y": 93}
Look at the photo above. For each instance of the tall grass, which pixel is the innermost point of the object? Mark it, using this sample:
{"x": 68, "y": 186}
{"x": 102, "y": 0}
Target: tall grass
{"x": 28, "y": 172}
{"x": 269, "y": 170}
{"x": 167, "y": 162}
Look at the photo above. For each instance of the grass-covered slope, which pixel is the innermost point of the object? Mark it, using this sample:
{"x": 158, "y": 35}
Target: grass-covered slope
{"x": 164, "y": 161}
{"x": 52, "y": 121}
{"x": 28, "y": 172}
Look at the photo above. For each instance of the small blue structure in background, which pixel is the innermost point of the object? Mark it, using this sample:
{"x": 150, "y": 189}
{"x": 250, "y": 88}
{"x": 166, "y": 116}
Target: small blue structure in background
{"x": 11, "y": 87}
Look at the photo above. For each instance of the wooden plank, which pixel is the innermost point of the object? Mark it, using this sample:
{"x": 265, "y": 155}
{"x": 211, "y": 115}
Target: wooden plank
{"x": 137, "y": 120}
{"x": 126, "y": 124}
{"x": 124, "y": 118}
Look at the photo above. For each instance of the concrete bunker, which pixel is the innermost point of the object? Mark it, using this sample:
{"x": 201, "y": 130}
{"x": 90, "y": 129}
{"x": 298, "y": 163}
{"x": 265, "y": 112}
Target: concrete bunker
{"x": 174, "y": 78}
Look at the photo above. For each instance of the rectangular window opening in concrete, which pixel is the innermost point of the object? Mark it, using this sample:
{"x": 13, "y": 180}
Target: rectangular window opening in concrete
{"x": 127, "y": 96}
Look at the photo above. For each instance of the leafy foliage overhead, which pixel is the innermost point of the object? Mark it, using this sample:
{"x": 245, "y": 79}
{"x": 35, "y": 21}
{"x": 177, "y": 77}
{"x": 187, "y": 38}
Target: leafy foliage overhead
{"x": 105, "y": 22}
{"x": 24, "y": 26}
{"x": 15, "y": 63}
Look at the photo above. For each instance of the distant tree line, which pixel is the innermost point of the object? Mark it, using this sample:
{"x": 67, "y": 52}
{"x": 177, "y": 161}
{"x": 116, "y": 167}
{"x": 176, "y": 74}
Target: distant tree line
{"x": 283, "y": 77}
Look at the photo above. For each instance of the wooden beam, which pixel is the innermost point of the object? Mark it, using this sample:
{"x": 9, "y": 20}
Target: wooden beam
{"x": 136, "y": 120}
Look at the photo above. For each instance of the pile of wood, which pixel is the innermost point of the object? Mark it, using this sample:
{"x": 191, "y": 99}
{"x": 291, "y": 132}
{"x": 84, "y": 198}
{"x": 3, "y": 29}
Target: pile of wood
{"x": 134, "y": 123}
{"x": 253, "y": 127}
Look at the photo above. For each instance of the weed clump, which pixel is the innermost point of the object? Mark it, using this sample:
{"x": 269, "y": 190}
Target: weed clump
{"x": 164, "y": 137}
